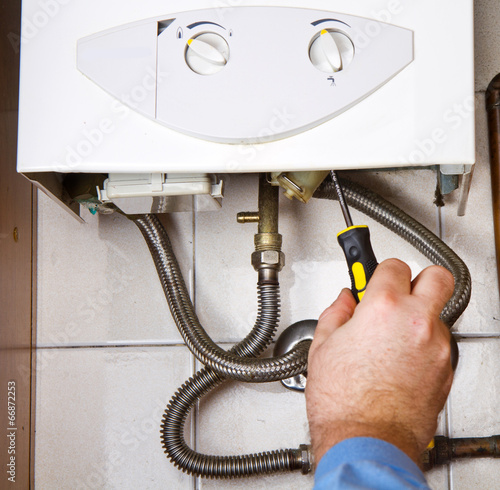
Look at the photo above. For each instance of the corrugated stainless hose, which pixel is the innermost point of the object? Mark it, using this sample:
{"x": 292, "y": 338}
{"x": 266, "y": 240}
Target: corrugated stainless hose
{"x": 172, "y": 428}
{"x": 227, "y": 364}
{"x": 253, "y": 345}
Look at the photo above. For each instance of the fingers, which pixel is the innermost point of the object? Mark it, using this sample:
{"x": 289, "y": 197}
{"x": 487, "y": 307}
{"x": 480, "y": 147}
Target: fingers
{"x": 335, "y": 316}
{"x": 391, "y": 276}
{"x": 435, "y": 286}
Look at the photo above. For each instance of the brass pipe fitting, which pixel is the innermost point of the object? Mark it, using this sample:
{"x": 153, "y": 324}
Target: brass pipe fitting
{"x": 268, "y": 206}
{"x": 247, "y": 217}
{"x": 268, "y": 237}
{"x": 268, "y": 259}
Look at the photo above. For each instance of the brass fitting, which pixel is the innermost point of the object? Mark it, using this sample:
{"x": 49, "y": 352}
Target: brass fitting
{"x": 247, "y": 217}
{"x": 268, "y": 259}
{"x": 268, "y": 238}
{"x": 267, "y": 241}
{"x": 299, "y": 185}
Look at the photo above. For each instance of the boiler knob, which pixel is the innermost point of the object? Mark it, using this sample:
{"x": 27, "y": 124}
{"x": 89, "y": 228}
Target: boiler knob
{"x": 207, "y": 53}
{"x": 331, "y": 51}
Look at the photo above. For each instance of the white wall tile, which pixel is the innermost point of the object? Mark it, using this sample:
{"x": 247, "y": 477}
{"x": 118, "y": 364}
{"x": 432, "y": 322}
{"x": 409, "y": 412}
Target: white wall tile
{"x": 480, "y": 473}
{"x": 475, "y": 395}
{"x": 97, "y": 282}
{"x": 98, "y": 417}
{"x": 437, "y": 478}
{"x": 474, "y": 402}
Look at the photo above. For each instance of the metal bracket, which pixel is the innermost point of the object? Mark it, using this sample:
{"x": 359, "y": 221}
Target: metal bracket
{"x": 454, "y": 177}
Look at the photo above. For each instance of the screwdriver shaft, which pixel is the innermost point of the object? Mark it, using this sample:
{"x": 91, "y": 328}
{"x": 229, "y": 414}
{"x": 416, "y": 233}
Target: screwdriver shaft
{"x": 342, "y": 201}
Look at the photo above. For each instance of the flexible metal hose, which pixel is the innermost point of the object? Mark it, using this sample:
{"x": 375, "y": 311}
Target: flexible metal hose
{"x": 227, "y": 364}
{"x": 172, "y": 428}
{"x": 202, "y": 382}
{"x": 414, "y": 233}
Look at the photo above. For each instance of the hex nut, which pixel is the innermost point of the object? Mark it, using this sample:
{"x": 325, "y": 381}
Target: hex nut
{"x": 306, "y": 458}
{"x": 268, "y": 259}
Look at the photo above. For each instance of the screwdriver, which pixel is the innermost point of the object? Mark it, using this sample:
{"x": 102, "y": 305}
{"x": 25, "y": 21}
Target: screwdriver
{"x": 356, "y": 245}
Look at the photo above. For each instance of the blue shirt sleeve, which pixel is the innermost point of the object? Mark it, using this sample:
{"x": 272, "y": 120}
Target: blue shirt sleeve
{"x": 365, "y": 462}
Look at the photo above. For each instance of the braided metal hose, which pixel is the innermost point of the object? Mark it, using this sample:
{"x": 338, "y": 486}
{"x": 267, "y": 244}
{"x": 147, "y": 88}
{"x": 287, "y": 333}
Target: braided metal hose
{"x": 227, "y": 364}
{"x": 172, "y": 428}
{"x": 206, "y": 379}
{"x": 414, "y": 233}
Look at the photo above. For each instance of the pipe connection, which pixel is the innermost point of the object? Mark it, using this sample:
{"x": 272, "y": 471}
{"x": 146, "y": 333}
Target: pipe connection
{"x": 445, "y": 450}
{"x": 268, "y": 259}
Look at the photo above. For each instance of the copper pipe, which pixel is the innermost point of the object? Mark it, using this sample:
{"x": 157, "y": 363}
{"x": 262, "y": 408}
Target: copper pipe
{"x": 493, "y": 112}
{"x": 445, "y": 450}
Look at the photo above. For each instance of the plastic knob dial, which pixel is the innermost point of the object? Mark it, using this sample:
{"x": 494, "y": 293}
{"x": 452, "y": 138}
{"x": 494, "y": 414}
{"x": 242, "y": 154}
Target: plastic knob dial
{"x": 207, "y": 54}
{"x": 331, "y": 51}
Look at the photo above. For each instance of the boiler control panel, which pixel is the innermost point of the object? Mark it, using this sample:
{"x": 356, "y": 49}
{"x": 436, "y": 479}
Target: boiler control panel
{"x": 224, "y": 78}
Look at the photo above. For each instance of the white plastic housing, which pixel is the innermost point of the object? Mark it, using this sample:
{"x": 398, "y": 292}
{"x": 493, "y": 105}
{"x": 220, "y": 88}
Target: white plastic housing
{"x": 135, "y": 106}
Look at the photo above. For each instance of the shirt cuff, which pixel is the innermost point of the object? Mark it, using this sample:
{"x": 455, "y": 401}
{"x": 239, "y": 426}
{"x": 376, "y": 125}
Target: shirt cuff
{"x": 356, "y": 449}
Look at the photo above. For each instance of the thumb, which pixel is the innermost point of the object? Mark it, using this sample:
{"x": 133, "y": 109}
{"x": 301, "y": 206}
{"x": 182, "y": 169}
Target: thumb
{"x": 334, "y": 316}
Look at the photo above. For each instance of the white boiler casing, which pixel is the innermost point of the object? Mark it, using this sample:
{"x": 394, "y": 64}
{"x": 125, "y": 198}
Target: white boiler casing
{"x": 220, "y": 87}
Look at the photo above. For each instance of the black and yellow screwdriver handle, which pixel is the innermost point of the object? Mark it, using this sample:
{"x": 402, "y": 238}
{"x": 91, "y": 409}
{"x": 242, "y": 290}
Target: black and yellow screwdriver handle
{"x": 355, "y": 242}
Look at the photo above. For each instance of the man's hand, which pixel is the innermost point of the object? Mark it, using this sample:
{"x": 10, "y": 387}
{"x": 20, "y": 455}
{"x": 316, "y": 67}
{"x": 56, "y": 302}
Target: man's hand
{"x": 382, "y": 369}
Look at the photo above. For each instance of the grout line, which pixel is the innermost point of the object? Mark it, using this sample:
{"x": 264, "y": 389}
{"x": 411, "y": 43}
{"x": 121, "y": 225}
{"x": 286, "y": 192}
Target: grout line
{"x": 194, "y": 424}
{"x": 450, "y": 476}
{"x": 448, "y": 434}
{"x": 448, "y": 420}
{"x": 440, "y": 222}
{"x": 117, "y": 345}
{"x": 475, "y": 336}
{"x": 193, "y": 253}
{"x": 195, "y": 415}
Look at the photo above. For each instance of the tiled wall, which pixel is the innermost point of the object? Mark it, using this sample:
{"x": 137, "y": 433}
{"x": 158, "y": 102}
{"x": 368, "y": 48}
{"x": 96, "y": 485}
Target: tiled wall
{"x": 109, "y": 355}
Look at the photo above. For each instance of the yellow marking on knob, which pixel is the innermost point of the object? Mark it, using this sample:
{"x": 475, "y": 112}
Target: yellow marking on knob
{"x": 324, "y": 31}
{"x": 358, "y": 271}
{"x": 189, "y": 42}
